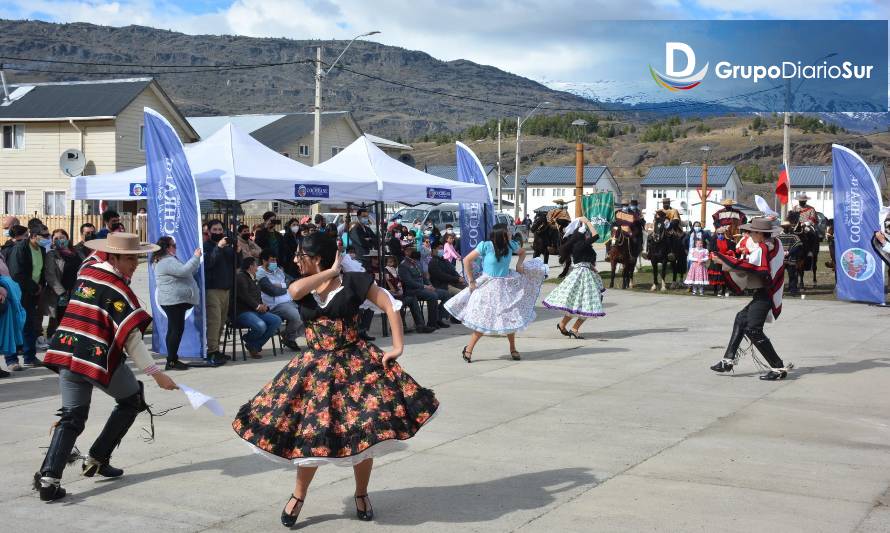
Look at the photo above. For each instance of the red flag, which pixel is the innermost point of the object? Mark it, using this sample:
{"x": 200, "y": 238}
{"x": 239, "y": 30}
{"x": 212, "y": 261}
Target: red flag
{"x": 782, "y": 185}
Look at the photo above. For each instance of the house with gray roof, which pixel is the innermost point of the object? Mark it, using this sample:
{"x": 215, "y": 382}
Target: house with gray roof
{"x": 546, "y": 184}
{"x": 817, "y": 183}
{"x": 682, "y": 184}
{"x": 102, "y": 118}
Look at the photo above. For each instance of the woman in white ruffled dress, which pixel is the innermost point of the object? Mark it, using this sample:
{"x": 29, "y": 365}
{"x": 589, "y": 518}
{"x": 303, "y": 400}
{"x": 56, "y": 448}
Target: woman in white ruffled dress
{"x": 501, "y": 301}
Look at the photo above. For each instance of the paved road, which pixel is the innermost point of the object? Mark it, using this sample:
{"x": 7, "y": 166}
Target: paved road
{"x": 625, "y": 431}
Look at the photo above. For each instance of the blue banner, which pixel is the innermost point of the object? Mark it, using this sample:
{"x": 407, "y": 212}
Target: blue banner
{"x": 476, "y": 220}
{"x": 173, "y": 210}
{"x": 857, "y": 207}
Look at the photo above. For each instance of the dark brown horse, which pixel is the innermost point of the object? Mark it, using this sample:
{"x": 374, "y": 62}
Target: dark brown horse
{"x": 619, "y": 250}
{"x": 547, "y": 237}
{"x": 664, "y": 247}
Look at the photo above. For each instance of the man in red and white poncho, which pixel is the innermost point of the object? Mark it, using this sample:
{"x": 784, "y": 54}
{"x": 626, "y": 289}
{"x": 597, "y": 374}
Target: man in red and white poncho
{"x": 759, "y": 266}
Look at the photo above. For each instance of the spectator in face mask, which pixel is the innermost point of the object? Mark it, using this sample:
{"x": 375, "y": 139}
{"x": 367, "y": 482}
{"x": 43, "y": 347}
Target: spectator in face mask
{"x": 273, "y": 282}
{"x": 60, "y": 271}
{"x": 290, "y": 243}
{"x": 8, "y": 222}
{"x": 110, "y": 218}
{"x": 87, "y": 233}
{"x": 17, "y": 234}
{"x": 361, "y": 238}
{"x": 246, "y": 247}
{"x": 219, "y": 275}
{"x": 267, "y": 237}
{"x": 26, "y": 268}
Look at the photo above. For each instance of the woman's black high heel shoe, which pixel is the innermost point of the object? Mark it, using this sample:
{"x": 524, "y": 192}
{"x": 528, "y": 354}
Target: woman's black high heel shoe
{"x": 289, "y": 519}
{"x": 575, "y": 335}
{"x": 368, "y": 514}
{"x": 563, "y": 330}
{"x": 465, "y": 356}
{"x": 515, "y": 355}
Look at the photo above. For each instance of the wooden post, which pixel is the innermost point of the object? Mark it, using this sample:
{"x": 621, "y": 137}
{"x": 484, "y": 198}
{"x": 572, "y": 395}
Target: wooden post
{"x": 704, "y": 193}
{"x": 579, "y": 178}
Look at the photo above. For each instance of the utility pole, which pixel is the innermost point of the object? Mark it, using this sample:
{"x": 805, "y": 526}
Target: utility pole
{"x": 704, "y": 193}
{"x": 500, "y": 204}
{"x": 516, "y": 171}
{"x": 786, "y": 141}
{"x": 579, "y": 168}
{"x": 316, "y": 136}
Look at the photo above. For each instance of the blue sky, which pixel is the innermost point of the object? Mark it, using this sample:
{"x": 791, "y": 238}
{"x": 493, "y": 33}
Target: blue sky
{"x": 546, "y": 40}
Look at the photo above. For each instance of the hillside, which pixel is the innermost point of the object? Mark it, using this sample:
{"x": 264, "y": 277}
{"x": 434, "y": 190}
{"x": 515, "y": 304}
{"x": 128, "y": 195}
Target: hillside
{"x": 732, "y": 141}
{"x": 380, "y": 107}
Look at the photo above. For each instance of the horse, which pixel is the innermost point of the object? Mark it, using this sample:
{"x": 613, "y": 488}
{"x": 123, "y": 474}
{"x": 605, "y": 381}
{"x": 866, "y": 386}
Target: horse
{"x": 665, "y": 246}
{"x": 810, "y": 238}
{"x": 547, "y": 237}
{"x": 619, "y": 249}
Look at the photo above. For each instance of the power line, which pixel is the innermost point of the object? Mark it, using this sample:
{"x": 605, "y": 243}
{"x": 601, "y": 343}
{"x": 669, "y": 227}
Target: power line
{"x": 218, "y": 69}
{"x": 145, "y": 65}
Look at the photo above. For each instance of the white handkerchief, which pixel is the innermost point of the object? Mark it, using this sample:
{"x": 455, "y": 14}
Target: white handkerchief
{"x": 198, "y": 398}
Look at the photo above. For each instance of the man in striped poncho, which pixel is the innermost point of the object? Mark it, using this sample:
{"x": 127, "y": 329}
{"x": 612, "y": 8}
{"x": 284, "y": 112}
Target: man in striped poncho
{"x": 103, "y": 324}
{"x": 759, "y": 265}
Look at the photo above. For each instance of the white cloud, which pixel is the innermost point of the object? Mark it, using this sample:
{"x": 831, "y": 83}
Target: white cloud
{"x": 798, "y": 9}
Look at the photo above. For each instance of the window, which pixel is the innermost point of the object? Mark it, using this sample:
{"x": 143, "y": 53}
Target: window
{"x": 559, "y": 192}
{"x": 54, "y": 202}
{"x": 304, "y": 150}
{"x": 336, "y": 150}
{"x": 14, "y": 202}
{"x": 13, "y": 136}
{"x": 142, "y": 137}
{"x": 510, "y": 196}
{"x": 447, "y": 217}
{"x": 659, "y": 193}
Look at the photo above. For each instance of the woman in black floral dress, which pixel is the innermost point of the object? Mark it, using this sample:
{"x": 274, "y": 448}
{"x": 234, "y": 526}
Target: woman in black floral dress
{"x": 342, "y": 400}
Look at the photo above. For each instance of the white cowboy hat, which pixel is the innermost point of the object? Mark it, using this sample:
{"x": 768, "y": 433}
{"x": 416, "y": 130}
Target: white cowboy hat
{"x": 121, "y": 243}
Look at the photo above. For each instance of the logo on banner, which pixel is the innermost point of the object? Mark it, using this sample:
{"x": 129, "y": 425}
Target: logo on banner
{"x": 312, "y": 191}
{"x": 858, "y": 264}
{"x": 437, "y": 193}
{"x": 138, "y": 190}
{"x": 678, "y": 80}
{"x": 169, "y": 210}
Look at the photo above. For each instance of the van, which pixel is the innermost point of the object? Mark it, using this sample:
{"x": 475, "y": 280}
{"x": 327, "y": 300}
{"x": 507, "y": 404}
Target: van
{"x": 443, "y": 214}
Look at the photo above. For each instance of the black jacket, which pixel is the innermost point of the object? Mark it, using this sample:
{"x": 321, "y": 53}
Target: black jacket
{"x": 443, "y": 274}
{"x": 219, "y": 266}
{"x": 268, "y": 239}
{"x": 20, "y": 265}
{"x": 362, "y": 239}
{"x": 248, "y": 294}
{"x": 287, "y": 249}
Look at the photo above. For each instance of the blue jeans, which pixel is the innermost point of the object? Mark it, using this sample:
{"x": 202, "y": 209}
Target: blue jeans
{"x": 262, "y": 327}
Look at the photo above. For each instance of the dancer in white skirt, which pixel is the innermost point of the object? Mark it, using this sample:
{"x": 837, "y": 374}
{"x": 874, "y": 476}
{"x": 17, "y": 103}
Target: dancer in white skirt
{"x": 501, "y": 301}
{"x": 580, "y": 295}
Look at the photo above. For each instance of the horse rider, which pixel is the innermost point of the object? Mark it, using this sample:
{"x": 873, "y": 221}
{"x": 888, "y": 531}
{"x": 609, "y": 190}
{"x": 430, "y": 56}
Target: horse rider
{"x": 559, "y": 216}
{"x": 729, "y": 216}
{"x": 671, "y": 213}
{"x": 635, "y": 207}
{"x": 631, "y": 222}
{"x": 807, "y": 212}
{"x": 793, "y": 247}
{"x": 758, "y": 266}
{"x": 881, "y": 241}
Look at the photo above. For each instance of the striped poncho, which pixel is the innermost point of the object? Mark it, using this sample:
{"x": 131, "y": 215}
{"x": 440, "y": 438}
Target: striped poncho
{"x": 765, "y": 260}
{"x": 101, "y": 314}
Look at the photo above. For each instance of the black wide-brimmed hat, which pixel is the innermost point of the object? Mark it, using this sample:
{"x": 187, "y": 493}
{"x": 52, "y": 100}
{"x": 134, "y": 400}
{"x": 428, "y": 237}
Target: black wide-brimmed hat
{"x": 761, "y": 225}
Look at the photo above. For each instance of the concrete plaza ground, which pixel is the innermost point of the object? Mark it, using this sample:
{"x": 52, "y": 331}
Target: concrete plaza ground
{"x": 625, "y": 431}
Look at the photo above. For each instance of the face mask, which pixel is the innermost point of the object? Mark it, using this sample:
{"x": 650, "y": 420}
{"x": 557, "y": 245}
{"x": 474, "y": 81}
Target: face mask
{"x": 6, "y": 233}
{"x": 440, "y": 253}
{"x": 273, "y": 267}
{"x": 321, "y": 230}
{"x": 449, "y": 230}
{"x": 416, "y": 225}
{"x": 61, "y": 243}
{"x": 295, "y": 229}
{"x": 216, "y": 237}
{"x": 364, "y": 220}
{"x": 696, "y": 228}
{"x": 43, "y": 242}
{"x": 245, "y": 236}
{"x": 89, "y": 237}
{"x": 428, "y": 233}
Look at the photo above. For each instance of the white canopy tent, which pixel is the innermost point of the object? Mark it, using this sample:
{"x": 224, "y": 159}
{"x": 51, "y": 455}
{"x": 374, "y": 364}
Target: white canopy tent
{"x": 398, "y": 182}
{"x": 232, "y": 165}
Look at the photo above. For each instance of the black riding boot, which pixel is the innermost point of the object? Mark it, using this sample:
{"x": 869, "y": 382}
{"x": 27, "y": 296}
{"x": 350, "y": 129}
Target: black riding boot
{"x": 118, "y": 424}
{"x": 735, "y": 340}
{"x": 765, "y": 347}
{"x": 70, "y": 426}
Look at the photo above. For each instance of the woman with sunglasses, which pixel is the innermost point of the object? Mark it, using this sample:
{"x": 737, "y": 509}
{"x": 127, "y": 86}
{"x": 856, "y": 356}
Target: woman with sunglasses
{"x": 343, "y": 400}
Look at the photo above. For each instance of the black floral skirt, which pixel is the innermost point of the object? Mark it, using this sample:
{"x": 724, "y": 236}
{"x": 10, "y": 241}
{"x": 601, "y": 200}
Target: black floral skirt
{"x": 334, "y": 403}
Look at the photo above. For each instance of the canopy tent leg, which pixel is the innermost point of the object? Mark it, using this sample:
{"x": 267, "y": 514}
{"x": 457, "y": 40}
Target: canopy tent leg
{"x": 381, "y": 278}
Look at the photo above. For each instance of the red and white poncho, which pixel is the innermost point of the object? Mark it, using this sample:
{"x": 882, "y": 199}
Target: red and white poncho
{"x": 765, "y": 260}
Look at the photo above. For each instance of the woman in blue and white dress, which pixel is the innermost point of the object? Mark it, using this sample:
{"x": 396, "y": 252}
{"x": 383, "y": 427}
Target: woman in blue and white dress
{"x": 501, "y": 301}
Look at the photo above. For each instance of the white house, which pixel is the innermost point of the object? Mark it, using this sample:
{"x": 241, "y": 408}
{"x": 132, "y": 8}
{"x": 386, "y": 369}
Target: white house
{"x": 682, "y": 184}
{"x": 545, "y": 184}
{"x": 816, "y": 182}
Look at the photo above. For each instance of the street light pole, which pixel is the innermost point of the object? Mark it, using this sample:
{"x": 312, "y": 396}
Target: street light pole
{"x": 319, "y": 75}
{"x": 704, "y": 185}
{"x": 686, "y": 191}
{"x": 500, "y": 194}
{"x": 824, "y": 175}
{"x": 519, "y": 122}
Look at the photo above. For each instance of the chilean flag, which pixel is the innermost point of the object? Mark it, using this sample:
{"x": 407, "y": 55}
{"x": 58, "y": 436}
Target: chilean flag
{"x": 782, "y": 185}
